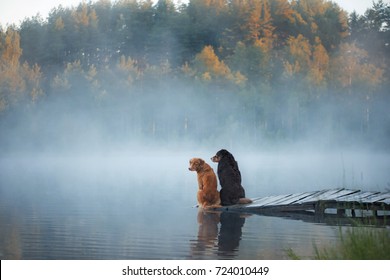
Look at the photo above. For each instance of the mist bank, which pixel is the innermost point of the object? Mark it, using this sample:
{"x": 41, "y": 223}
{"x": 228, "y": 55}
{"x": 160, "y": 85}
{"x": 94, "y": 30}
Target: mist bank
{"x": 179, "y": 117}
{"x": 264, "y": 171}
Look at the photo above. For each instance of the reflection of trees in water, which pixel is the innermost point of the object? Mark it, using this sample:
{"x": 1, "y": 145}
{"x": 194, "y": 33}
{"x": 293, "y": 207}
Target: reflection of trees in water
{"x": 217, "y": 243}
{"x": 10, "y": 244}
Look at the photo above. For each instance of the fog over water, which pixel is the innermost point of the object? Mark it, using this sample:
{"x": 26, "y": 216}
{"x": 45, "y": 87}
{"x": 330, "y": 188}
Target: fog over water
{"x": 103, "y": 105}
{"x": 138, "y": 204}
{"x": 81, "y": 182}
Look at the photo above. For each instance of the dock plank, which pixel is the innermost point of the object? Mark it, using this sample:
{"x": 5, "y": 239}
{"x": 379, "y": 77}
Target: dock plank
{"x": 317, "y": 201}
{"x": 295, "y": 198}
{"x": 356, "y": 197}
{"x": 326, "y": 195}
{"x": 278, "y": 201}
{"x": 266, "y": 201}
{"x": 377, "y": 197}
{"x": 386, "y": 201}
{"x": 259, "y": 201}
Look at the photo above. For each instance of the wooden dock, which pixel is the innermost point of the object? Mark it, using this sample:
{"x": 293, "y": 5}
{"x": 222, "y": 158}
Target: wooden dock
{"x": 336, "y": 202}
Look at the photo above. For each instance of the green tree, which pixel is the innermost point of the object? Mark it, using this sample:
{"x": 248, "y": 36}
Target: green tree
{"x": 323, "y": 19}
{"x": 207, "y": 21}
{"x": 252, "y": 62}
{"x": 163, "y": 42}
{"x": 371, "y": 32}
{"x": 32, "y": 40}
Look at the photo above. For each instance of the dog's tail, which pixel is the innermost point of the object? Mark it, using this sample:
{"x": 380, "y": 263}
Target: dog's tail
{"x": 244, "y": 200}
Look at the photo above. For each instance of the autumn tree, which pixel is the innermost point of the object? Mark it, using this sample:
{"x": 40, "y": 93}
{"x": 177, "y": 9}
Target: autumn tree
{"x": 356, "y": 80}
{"x": 284, "y": 18}
{"x": 18, "y": 82}
{"x": 209, "y": 68}
{"x": 251, "y": 23}
{"x": 274, "y": 62}
{"x": 11, "y": 82}
{"x": 323, "y": 19}
{"x": 319, "y": 64}
{"x": 298, "y": 56}
{"x": 352, "y": 71}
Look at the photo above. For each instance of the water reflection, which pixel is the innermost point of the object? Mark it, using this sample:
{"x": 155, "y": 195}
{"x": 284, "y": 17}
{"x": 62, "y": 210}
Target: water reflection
{"x": 114, "y": 208}
{"x": 219, "y": 235}
{"x": 230, "y": 233}
{"x": 10, "y": 243}
{"x": 207, "y": 236}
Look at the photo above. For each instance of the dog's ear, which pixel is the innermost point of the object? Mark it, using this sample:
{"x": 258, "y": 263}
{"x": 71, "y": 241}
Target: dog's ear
{"x": 200, "y": 162}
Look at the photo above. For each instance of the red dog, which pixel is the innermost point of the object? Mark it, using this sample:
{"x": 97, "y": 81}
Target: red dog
{"x": 208, "y": 195}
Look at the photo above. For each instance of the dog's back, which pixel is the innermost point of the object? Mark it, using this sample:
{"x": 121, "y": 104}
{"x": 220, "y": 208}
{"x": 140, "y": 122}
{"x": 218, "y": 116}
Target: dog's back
{"x": 229, "y": 176}
{"x": 208, "y": 194}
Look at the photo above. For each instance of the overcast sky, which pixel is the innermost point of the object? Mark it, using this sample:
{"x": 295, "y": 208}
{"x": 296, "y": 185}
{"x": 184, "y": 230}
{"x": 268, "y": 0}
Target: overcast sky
{"x": 14, "y": 11}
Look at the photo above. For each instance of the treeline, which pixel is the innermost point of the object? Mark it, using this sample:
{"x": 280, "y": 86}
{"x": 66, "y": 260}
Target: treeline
{"x": 209, "y": 69}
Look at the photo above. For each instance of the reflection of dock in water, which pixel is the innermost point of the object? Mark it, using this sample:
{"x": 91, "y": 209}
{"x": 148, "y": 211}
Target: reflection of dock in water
{"x": 320, "y": 206}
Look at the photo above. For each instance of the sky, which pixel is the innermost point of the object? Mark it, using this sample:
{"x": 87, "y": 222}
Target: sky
{"x": 14, "y": 11}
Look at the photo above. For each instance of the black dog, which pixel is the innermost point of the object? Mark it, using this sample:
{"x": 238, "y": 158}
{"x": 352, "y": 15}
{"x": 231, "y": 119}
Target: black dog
{"x": 229, "y": 177}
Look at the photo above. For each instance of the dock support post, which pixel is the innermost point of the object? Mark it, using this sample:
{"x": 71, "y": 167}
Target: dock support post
{"x": 319, "y": 209}
{"x": 340, "y": 212}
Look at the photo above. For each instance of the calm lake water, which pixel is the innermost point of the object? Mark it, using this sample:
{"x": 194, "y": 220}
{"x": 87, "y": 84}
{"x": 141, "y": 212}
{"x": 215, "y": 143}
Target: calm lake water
{"x": 141, "y": 207}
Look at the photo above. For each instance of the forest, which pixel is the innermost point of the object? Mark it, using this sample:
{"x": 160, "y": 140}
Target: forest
{"x": 237, "y": 72}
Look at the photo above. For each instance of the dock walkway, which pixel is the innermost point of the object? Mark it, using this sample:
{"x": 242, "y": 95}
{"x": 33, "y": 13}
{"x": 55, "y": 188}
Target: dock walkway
{"x": 342, "y": 202}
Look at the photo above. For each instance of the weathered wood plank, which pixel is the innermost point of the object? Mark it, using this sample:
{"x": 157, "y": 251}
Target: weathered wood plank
{"x": 259, "y": 201}
{"x": 295, "y": 198}
{"x": 309, "y": 196}
{"x": 386, "y": 201}
{"x": 278, "y": 201}
{"x": 343, "y": 193}
{"x": 266, "y": 200}
{"x": 317, "y": 201}
{"x": 356, "y": 197}
{"x": 322, "y": 195}
{"x": 328, "y": 195}
{"x": 377, "y": 197}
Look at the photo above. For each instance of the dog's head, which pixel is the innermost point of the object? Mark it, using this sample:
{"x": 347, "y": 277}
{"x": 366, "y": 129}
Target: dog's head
{"x": 196, "y": 164}
{"x": 220, "y": 154}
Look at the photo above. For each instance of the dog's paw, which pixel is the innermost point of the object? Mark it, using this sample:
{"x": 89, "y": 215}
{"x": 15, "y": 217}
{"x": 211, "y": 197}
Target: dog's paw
{"x": 211, "y": 207}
